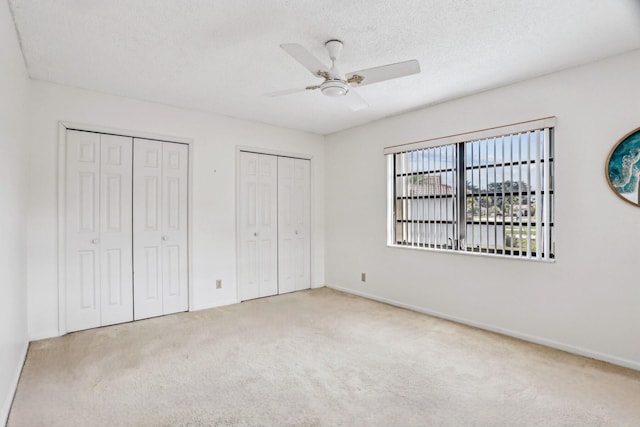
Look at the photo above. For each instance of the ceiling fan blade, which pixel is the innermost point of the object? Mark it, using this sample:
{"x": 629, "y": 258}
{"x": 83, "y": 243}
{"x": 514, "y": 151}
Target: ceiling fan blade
{"x": 284, "y": 92}
{"x": 355, "y": 101}
{"x": 304, "y": 57}
{"x": 384, "y": 72}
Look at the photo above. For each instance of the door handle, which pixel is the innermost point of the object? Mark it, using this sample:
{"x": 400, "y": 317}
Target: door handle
{"x": 255, "y": 234}
{"x": 95, "y": 241}
{"x": 296, "y": 232}
{"x": 165, "y": 238}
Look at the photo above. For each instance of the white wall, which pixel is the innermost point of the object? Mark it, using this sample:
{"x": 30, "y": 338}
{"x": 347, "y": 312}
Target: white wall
{"x": 14, "y": 96}
{"x": 214, "y": 174}
{"x": 589, "y": 300}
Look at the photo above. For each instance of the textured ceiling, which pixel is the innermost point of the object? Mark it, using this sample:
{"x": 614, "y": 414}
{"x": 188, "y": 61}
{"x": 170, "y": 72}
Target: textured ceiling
{"x": 223, "y": 55}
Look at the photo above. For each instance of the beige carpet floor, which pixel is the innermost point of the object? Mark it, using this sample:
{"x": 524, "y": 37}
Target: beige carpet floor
{"x": 314, "y": 358}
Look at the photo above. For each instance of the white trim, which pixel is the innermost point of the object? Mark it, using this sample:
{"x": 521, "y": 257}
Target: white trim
{"x": 62, "y": 219}
{"x": 63, "y": 126}
{"x": 271, "y": 152}
{"x": 125, "y": 132}
{"x": 6, "y": 406}
{"x": 474, "y": 135}
{"x": 215, "y": 304}
{"x": 480, "y": 254}
{"x": 236, "y": 176}
{"x": 190, "y": 281}
{"x": 391, "y": 207}
{"x": 311, "y": 219}
{"x": 626, "y": 363}
{"x": 44, "y": 335}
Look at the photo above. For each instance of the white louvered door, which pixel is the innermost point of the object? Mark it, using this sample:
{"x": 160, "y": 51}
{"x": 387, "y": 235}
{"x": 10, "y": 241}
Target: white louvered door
{"x": 98, "y": 264}
{"x": 160, "y": 190}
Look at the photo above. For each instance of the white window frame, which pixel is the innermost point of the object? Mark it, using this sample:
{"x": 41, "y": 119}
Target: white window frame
{"x": 544, "y": 193}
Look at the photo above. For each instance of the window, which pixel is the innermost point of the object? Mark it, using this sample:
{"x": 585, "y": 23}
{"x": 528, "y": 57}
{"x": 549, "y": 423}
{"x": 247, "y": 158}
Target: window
{"x": 488, "y": 192}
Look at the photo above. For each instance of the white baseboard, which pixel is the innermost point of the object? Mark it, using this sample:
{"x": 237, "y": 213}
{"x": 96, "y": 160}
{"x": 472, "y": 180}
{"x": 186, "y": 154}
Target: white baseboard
{"x": 6, "y": 406}
{"x": 44, "y": 335}
{"x": 215, "y": 304}
{"x": 515, "y": 334}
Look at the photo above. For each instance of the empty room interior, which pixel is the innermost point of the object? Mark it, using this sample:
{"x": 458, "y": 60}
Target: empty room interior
{"x": 363, "y": 213}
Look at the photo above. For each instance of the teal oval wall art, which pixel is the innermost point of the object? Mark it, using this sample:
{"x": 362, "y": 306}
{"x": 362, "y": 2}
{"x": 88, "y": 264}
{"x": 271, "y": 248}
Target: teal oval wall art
{"x": 623, "y": 168}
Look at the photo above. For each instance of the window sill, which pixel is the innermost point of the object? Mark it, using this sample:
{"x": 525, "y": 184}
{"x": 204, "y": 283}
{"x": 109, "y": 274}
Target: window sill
{"x": 476, "y": 254}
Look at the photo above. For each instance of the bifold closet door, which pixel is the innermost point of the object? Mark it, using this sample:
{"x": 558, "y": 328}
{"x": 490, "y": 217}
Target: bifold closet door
{"x": 258, "y": 226}
{"x": 294, "y": 247}
{"x": 98, "y": 240}
{"x": 160, "y": 192}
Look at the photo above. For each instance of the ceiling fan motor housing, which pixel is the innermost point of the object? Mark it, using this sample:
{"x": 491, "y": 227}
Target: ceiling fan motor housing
{"x": 334, "y": 47}
{"x": 334, "y": 87}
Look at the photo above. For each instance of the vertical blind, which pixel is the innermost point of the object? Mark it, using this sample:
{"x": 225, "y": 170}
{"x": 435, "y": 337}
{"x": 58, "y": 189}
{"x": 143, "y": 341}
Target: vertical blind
{"x": 489, "y": 192}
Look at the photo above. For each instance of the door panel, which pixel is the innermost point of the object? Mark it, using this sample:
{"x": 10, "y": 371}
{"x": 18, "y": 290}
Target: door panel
{"x": 150, "y": 281}
{"x": 112, "y": 279}
{"x": 87, "y": 197}
{"x": 152, "y": 203}
{"x": 147, "y": 232}
{"x": 248, "y": 257}
{"x": 301, "y": 218}
{"x": 160, "y": 228}
{"x": 175, "y": 277}
{"x": 258, "y": 226}
{"x": 113, "y": 192}
{"x": 82, "y": 234}
{"x": 286, "y": 265}
{"x": 294, "y": 251}
{"x": 268, "y": 233}
{"x": 173, "y": 209}
{"x": 172, "y": 275}
{"x": 115, "y": 229}
{"x": 88, "y": 279}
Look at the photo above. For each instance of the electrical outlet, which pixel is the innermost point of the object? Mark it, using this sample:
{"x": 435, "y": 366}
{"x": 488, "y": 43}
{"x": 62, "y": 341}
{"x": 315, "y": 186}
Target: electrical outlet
{"x": 363, "y": 277}
{"x": 219, "y": 284}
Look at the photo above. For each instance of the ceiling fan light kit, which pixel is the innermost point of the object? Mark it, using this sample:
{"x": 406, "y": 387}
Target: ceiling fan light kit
{"x": 336, "y": 84}
{"x": 334, "y": 88}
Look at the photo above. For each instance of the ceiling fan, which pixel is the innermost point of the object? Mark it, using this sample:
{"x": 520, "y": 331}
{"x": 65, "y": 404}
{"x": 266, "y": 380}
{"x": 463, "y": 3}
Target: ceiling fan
{"x": 337, "y": 84}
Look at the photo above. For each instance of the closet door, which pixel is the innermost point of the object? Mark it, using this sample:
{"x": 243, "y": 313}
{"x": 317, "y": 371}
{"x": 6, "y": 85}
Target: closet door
{"x": 82, "y": 230}
{"x": 258, "y": 226}
{"x": 147, "y": 228}
{"x": 116, "y": 263}
{"x": 294, "y": 247}
{"x": 160, "y": 193}
{"x": 98, "y": 230}
{"x": 175, "y": 278}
